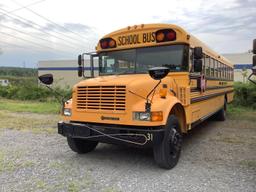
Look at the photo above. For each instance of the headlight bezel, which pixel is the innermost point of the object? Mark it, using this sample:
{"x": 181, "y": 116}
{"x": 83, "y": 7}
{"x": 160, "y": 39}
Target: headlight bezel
{"x": 147, "y": 116}
{"x": 67, "y": 112}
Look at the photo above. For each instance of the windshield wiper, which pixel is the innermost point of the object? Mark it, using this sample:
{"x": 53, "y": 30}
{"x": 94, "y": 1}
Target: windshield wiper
{"x": 125, "y": 72}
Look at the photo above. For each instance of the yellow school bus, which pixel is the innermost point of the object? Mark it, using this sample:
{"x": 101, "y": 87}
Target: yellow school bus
{"x": 155, "y": 83}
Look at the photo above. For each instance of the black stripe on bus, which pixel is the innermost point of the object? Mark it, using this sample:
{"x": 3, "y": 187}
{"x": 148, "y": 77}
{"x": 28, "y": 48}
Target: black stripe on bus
{"x": 209, "y": 78}
{"x": 195, "y": 89}
{"x": 205, "y": 97}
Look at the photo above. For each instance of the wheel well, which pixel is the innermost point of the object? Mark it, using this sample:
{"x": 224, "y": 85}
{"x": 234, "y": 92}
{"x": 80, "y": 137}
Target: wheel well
{"x": 225, "y": 101}
{"x": 179, "y": 112}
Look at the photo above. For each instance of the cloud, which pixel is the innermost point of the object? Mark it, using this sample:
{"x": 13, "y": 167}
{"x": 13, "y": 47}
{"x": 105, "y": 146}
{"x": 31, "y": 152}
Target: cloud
{"x": 2, "y": 18}
{"x": 238, "y": 18}
{"x": 27, "y": 24}
{"x": 66, "y": 27}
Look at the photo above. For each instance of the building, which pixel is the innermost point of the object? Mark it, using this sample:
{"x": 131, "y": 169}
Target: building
{"x": 242, "y": 65}
{"x": 4, "y": 82}
{"x": 65, "y": 71}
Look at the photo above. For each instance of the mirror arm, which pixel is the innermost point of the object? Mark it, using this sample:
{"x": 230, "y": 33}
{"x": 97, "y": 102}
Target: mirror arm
{"x": 83, "y": 64}
{"x": 148, "y": 102}
{"x": 91, "y": 66}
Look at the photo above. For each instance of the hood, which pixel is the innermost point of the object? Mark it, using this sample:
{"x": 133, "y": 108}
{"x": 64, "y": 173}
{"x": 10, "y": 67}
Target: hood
{"x": 141, "y": 84}
{"x": 116, "y": 80}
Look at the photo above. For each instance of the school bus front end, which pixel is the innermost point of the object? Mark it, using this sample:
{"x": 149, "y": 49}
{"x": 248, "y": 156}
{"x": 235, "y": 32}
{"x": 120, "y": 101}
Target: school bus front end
{"x": 143, "y": 94}
{"x": 115, "y": 105}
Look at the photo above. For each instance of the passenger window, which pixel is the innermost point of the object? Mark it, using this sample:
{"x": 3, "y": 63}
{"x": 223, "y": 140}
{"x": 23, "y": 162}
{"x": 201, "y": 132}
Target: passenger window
{"x": 207, "y": 66}
{"x": 216, "y": 68}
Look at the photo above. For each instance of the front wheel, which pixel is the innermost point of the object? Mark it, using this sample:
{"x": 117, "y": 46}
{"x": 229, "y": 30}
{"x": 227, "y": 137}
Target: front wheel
{"x": 81, "y": 145}
{"x": 167, "y": 152}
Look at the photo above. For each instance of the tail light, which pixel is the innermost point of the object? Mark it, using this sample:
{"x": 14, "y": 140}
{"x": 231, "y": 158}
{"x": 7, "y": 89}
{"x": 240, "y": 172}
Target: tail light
{"x": 165, "y": 35}
{"x": 107, "y": 43}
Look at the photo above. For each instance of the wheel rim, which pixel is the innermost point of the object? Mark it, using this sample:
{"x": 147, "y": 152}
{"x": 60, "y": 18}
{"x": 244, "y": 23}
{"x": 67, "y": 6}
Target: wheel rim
{"x": 175, "y": 143}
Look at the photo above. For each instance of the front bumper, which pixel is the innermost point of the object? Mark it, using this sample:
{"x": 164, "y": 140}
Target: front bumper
{"x": 114, "y": 134}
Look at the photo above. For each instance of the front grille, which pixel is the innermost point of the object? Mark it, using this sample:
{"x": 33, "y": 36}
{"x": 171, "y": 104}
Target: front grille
{"x": 101, "y": 98}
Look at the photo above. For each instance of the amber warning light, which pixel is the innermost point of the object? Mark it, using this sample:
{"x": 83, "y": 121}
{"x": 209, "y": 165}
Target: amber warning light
{"x": 107, "y": 43}
{"x": 165, "y": 35}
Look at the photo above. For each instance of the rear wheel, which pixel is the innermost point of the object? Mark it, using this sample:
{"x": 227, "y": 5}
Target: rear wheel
{"x": 221, "y": 114}
{"x": 81, "y": 145}
{"x": 167, "y": 152}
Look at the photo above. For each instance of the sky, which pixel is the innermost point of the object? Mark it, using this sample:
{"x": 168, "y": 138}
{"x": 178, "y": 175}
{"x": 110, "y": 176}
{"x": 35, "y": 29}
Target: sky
{"x": 34, "y": 30}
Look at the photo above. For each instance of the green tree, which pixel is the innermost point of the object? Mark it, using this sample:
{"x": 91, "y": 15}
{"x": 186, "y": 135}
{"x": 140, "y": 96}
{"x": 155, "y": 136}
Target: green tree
{"x": 244, "y": 73}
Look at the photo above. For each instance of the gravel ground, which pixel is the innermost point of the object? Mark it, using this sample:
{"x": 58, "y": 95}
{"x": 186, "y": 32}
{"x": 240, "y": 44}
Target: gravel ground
{"x": 216, "y": 156}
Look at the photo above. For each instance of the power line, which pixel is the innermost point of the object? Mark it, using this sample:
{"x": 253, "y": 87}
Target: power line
{"x": 26, "y": 33}
{"x": 17, "y": 46}
{"x": 50, "y": 21}
{"x": 23, "y": 7}
{"x": 35, "y": 24}
{"x": 31, "y": 42}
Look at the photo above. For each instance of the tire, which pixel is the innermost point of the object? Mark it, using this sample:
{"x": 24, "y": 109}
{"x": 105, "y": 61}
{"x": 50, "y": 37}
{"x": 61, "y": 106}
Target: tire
{"x": 221, "y": 114}
{"x": 167, "y": 152}
{"x": 81, "y": 145}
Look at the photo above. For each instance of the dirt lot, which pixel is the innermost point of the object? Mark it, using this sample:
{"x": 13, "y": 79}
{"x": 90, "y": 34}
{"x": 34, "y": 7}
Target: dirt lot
{"x": 216, "y": 156}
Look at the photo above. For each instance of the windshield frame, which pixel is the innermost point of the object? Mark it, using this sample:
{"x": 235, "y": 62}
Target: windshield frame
{"x": 184, "y": 63}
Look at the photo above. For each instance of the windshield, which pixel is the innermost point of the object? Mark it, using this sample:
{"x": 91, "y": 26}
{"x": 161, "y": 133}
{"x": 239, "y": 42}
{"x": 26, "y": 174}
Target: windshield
{"x": 175, "y": 57}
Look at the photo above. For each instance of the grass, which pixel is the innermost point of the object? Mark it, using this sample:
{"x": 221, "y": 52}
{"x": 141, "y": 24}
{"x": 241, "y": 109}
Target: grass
{"x": 36, "y": 123}
{"x": 11, "y": 161}
{"x": 249, "y": 163}
{"x": 29, "y": 106}
{"x": 241, "y": 113}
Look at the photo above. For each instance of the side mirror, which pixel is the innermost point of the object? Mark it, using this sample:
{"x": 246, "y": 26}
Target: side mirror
{"x": 80, "y": 71}
{"x": 198, "y": 65}
{"x": 46, "y": 79}
{"x": 158, "y": 73}
{"x": 79, "y": 60}
{"x": 80, "y": 68}
{"x": 254, "y": 46}
{"x": 198, "y": 53}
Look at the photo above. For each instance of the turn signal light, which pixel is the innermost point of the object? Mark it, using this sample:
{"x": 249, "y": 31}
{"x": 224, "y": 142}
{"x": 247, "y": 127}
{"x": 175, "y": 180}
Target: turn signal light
{"x": 107, "y": 43}
{"x": 164, "y": 35}
{"x": 160, "y": 36}
{"x": 157, "y": 116}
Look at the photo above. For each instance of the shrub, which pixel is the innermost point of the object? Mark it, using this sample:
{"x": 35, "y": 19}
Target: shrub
{"x": 31, "y": 92}
{"x": 245, "y": 94}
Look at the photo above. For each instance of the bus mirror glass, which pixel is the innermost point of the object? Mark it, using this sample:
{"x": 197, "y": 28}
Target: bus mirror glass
{"x": 79, "y": 60}
{"x": 158, "y": 73}
{"x": 198, "y": 65}
{"x": 46, "y": 79}
{"x": 254, "y": 46}
{"x": 80, "y": 71}
{"x": 198, "y": 53}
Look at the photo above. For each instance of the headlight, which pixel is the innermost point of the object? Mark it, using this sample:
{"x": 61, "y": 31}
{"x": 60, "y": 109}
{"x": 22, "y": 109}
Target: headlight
{"x": 145, "y": 116}
{"x": 67, "y": 112}
{"x": 141, "y": 116}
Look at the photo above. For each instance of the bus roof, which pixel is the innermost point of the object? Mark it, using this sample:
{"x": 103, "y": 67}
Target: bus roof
{"x": 143, "y": 36}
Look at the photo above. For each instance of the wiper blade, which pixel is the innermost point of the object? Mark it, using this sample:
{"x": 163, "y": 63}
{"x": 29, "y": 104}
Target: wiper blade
{"x": 125, "y": 72}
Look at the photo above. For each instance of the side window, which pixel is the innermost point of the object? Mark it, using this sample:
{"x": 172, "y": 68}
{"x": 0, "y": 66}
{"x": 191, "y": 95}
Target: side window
{"x": 216, "y": 68}
{"x": 207, "y": 66}
{"x": 212, "y": 67}
{"x": 226, "y": 71}
{"x": 222, "y": 71}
